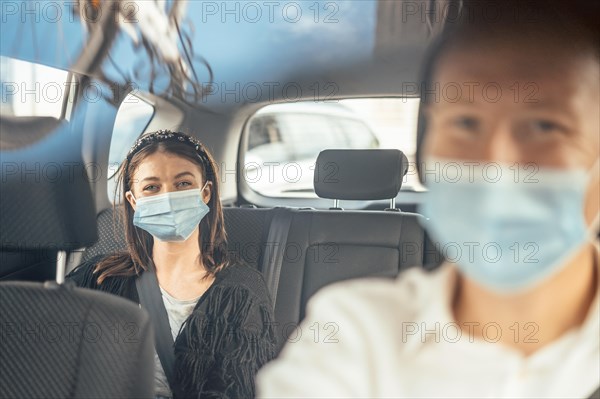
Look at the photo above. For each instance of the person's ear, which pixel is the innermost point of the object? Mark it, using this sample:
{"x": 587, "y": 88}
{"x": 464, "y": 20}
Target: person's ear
{"x": 207, "y": 192}
{"x": 130, "y": 198}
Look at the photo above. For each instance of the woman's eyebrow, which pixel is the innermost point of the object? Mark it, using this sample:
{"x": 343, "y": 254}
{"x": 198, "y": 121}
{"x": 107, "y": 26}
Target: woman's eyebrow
{"x": 152, "y": 178}
{"x": 183, "y": 174}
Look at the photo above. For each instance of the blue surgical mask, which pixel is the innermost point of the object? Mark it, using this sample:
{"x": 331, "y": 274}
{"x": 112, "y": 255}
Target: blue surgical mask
{"x": 171, "y": 216}
{"x": 505, "y": 227}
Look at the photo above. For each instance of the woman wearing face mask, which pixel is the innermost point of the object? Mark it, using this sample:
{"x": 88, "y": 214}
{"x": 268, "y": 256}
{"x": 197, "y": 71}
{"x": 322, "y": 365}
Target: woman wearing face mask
{"x": 513, "y": 175}
{"x": 219, "y": 314}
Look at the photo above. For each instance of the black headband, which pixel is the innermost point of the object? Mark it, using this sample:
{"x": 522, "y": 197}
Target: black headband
{"x": 167, "y": 135}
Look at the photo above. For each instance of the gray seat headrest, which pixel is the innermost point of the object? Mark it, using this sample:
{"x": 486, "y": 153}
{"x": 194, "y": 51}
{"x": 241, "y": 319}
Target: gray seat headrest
{"x": 359, "y": 174}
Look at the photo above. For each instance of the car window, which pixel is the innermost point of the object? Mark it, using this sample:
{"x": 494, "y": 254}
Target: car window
{"x": 133, "y": 117}
{"x": 30, "y": 89}
{"x": 263, "y": 130}
{"x": 284, "y": 140}
{"x": 357, "y": 134}
{"x": 307, "y": 133}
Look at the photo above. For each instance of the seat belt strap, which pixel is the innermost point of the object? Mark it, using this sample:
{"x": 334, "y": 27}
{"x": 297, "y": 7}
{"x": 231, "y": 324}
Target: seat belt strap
{"x": 276, "y": 244}
{"x": 151, "y": 299}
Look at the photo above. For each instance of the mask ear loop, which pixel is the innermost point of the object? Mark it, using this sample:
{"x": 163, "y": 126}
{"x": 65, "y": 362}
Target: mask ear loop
{"x": 133, "y": 196}
{"x": 203, "y": 187}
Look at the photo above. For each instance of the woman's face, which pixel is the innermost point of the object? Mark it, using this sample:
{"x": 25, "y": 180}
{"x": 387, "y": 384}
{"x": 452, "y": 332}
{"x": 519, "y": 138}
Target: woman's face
{"x": 164, "y": 172}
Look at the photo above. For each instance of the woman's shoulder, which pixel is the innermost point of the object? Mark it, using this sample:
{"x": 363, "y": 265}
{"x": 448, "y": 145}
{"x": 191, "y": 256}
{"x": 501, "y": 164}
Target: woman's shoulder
{"x": 83, "y": 275}
{"x": 242, "y": 275}
{"x": 240, "y": 271}
{"x": 86, "y": 275}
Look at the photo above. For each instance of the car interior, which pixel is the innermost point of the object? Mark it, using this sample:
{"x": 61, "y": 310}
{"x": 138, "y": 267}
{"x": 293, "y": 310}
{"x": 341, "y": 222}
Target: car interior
{"x": 313, "y": 125}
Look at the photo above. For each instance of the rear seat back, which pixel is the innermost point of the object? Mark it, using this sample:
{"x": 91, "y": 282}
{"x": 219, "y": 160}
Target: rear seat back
{"x": 246, "y": 233}
{"x": 111, "y": 235}
{"x": 324, "y": 247}
{"x": 327, "y": 246}
{"x": 247, "y": 230}
{"x": 320, "y": 246}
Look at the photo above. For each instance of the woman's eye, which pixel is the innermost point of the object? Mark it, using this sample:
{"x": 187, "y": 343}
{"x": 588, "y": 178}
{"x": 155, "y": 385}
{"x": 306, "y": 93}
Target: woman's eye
{"x": 184, "y": 184}
{"x": 151, "y": 187}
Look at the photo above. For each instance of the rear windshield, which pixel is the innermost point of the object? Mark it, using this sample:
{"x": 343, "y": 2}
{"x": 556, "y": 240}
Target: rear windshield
{"x": 284, "y": 140}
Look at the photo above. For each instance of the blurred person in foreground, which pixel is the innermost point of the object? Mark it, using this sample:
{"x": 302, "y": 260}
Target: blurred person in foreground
{"x": 511, "y": 164}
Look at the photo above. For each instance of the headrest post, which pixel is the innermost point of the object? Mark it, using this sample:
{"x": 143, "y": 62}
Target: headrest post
{"x": 336, "y": 203}
{"x": 61, "y": 266}
{"x": 393, "y": 203}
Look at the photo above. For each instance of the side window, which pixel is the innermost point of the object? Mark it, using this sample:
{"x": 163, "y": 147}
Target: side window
{"x": 133, "y": 117}
{"x": 32, "y": 90}
{"x": 36, "y": 101}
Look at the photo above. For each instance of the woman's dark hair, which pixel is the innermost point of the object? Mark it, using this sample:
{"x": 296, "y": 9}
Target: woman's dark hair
{"x": 483, "y": 21}
{"x": 212, "y": 239}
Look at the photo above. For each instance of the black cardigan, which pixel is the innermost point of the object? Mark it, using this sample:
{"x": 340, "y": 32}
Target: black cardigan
{"x": 221, "y": 345}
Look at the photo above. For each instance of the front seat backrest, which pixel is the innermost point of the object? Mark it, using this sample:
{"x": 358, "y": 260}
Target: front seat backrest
{"x": 45, "y": 204}
{"x": 67, "y": 342}
{"x": 57, "y": 340}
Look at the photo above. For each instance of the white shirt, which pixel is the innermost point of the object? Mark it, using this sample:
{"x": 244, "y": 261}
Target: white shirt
{"x": 178, "y": 311}
{"x": 386, "y": 333}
